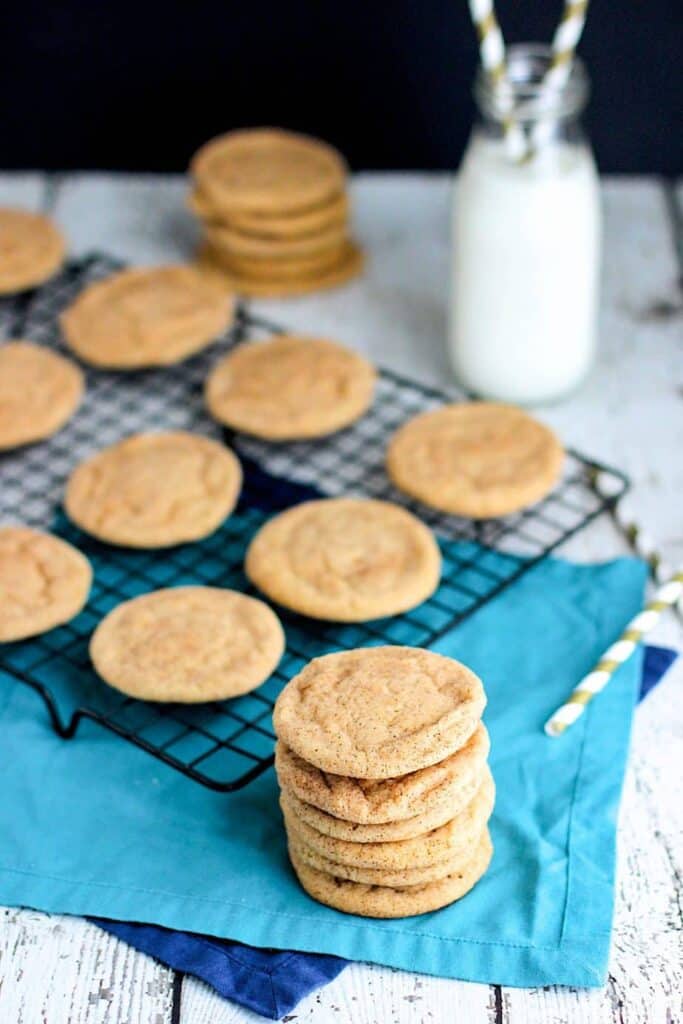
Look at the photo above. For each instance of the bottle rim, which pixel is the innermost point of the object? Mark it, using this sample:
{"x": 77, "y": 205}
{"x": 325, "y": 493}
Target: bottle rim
{"x": 523, "y": 96}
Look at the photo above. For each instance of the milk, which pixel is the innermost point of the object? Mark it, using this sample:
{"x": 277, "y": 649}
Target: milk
{"x": 525, "y": 275}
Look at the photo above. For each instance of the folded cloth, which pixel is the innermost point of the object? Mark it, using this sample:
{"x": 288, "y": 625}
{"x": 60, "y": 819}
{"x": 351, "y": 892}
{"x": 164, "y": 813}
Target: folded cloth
{"x": 273, "y": 982}
{"x": 94, "y": 827}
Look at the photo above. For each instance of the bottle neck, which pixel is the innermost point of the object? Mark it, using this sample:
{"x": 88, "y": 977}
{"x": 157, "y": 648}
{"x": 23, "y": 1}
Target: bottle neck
{"x": 528, "y": 98}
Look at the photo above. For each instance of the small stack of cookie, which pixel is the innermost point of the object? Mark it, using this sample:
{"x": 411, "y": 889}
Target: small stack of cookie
{"x": 385, "y": 788}
{"x": 275, "y": 213}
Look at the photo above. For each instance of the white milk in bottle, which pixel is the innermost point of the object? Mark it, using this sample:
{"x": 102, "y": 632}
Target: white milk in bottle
{"x": 526, "y": 243}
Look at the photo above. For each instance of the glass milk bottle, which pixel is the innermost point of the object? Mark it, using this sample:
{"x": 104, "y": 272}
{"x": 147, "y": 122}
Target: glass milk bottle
{"x": 526, "y": 241}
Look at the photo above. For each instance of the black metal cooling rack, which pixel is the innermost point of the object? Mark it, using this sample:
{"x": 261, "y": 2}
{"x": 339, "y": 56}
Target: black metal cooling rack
{"x": 225, "y": 745}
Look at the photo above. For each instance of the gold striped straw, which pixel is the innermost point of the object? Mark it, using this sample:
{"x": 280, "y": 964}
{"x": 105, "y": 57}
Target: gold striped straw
{"x": 492, "y": 54}
{"x": 615, "y": 656}
{"x": 564, "y": 45}
{"x": 635, "y": 534}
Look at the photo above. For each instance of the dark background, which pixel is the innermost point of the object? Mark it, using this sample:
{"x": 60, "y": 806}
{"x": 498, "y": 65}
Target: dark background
{"x": 138, "y": 85}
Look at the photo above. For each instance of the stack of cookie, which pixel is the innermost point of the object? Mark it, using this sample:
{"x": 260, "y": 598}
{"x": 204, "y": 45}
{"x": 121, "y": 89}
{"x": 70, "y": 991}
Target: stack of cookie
{"x": 275, "y": 213}
{"x": 385, "y": 789}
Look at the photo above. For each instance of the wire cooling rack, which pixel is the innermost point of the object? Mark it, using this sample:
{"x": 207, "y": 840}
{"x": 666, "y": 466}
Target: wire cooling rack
{"x": 225, "y": 745}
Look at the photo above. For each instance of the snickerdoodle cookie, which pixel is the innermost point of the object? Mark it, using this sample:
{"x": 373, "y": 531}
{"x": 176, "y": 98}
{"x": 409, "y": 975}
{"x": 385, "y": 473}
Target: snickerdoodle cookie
{"x": 379, "y": 712}
{"x": 380, "y": 803}
{"x": 44, "y": 582}
{"x": 188, "y": 645}
{"x": 352, "y": 832}
{"x": 39, "y": 392}
{"x": 383, "y": 901}
{"x": 348, "y": 262}
{"x": 146, "y": 317}
{"x": 456, "y": 837}
{"x": 154, "y": 490}
{"x": 395, "y": 878}
{"x": 259, "y": 170}
{"x": 345, "y": 559}
{"x": 290, "y": 387}
{"x": 475, "y": 459}
{"x": 31, "y": 250}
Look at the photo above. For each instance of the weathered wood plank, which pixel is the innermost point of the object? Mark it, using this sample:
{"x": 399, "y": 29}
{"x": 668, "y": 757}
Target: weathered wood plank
{"x": 364, "y": 994}
{"x": 63, "y": 970}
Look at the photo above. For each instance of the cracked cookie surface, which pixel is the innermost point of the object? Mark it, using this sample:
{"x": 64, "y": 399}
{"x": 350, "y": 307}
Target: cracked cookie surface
{"x": 146, "y": 317}
{"x": 384, "y": 901}
{"x": 188, "y": 645}
{"x": 456, "y": 838}
{"x": 262, "y": 170}
{"x": 290, "y": 387}
{"x": 154, "y": 490}
{"x": 475, "y": 459}
{"x": 44, "y": 582}
{"x": 345, "y": 559}
{"x": 381, "y": 802}
{"x": 31, "y": 250}
{"x": 379, "y": 712}
{"x": 39, "y": 392}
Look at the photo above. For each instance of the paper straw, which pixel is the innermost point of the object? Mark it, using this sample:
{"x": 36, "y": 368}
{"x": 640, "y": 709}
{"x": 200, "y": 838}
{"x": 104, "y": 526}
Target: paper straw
{"x": 556, "y": 77}
{"x": 635, "y": 534}
{"x": 615, "y": 656}
{"x": 492, "y": 54}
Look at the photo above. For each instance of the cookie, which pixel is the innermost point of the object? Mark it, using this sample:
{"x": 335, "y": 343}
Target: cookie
{"x": 267, "y": 170}
{"x": 381, "y": 802}
{"x": 294, "y": 268}
{"x": 379, "y": 712}
{"x": 188, "y": 645}
{"x": 332, "y": 214}
{"x": 290, "y": 388}
{"x": 154, "y": 490}
{"x": 39, "y": 392}
{"x": 271, "y": 252}
{"x": 44, "y": 582}
{"x": 383, "y": 901}
{"x": 378, "y": 876}
{"x": 346, "y": 560}
{"x": 352, "y": 832}
{"x": 146, "y": 317}
{"x": 456, "y": 838}
{"x": 349, "y": 265}
{"x": 31, "y": 250}
{"x": 475, "y": 459}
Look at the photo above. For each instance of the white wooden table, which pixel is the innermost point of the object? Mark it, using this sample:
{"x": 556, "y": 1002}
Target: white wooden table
{"x": 59, "y": 970}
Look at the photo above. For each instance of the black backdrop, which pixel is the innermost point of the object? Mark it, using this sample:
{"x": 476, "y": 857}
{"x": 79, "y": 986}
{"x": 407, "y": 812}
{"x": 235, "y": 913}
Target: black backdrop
{"x": 138, "y": 85}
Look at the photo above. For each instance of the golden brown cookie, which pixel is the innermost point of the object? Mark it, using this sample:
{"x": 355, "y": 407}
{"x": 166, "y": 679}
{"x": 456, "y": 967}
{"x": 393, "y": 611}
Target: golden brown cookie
{"x": 266, "y": 170}
{"x": 452, "y": 782}
{"x": 39, "y": 392}
{"x": 44, "y": 582}
{"x": 349, "y": 265}
{"x": 394, "y": 879}
{"x": 379, "y": 712}
{"x": 154, "y": 490}
{"x": 475, "y": 459}
{"x": 249, "y": 251}
{"x": 352, "y": 832}
{"x": 290, "y": 387}
{"x": 291, "y": 269}
{"x": 188, "y": 645}
{"x": 456, "y": 838}
{"x": 383, "y": 901}
{"x": 146, "y": 317}
{"x": 345, "y": 559}
{"x": 31, "y": 250}
{"x": 332, "y": 214}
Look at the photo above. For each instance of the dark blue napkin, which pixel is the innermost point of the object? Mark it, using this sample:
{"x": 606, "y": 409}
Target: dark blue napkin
{"x": 273, "y": 982}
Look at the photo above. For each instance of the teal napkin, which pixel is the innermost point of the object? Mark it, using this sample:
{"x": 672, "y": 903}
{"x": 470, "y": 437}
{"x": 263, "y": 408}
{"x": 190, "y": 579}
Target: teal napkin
{"x": 94, "y": 826}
